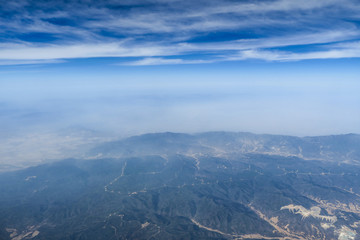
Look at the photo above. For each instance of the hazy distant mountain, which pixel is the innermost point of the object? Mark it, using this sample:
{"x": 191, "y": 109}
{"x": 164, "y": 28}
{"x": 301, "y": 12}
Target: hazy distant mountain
{"x": 329, "y": 148}
{"x": 214, "y": 185}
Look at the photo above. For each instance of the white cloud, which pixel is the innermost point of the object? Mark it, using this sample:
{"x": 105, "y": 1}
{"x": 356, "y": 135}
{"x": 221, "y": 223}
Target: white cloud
{"x": 266, "y": 6}
{"x": 348, "y": 52}
{"x": 163, "y": 61}
{"x": 156, "y": 33}
{"x": 25, "y": 62}
{"x": 21, "y": 52}
{"x": 128, "y": 48}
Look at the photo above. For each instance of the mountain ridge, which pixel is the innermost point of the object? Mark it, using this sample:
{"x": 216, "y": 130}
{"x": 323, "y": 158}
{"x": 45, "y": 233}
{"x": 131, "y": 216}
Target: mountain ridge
{"x": 316, "y": 147}
{"x": 207, "y": 186}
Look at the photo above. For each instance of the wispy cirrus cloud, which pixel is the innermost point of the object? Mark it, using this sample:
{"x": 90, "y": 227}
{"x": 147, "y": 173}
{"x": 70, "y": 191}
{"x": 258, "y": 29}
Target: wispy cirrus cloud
{"x": 26, "y": 62}
{"x": 165, "y": 32}
{"x": 164, "y": 61}
{"x": 43, "y": 52}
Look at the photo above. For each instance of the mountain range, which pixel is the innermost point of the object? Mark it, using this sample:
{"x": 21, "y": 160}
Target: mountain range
{"x": 215, "y": 185}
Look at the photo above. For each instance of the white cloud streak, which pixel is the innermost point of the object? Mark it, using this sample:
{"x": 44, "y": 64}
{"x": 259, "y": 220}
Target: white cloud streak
{"x": 156, "y": 34}
{"x": 249, "y": 49}
{"x": 78, "y": 51}
{"x": 164, "y": 61}
{"x": 26, "y": 62}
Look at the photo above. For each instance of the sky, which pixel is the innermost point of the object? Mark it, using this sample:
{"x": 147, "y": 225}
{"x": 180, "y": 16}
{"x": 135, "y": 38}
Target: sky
{"x": 129, "y": 67}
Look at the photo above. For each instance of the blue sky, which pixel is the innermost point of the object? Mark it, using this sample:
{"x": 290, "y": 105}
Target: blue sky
{"x": 155, "y": 32}
{"x": 130, "y": 67}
